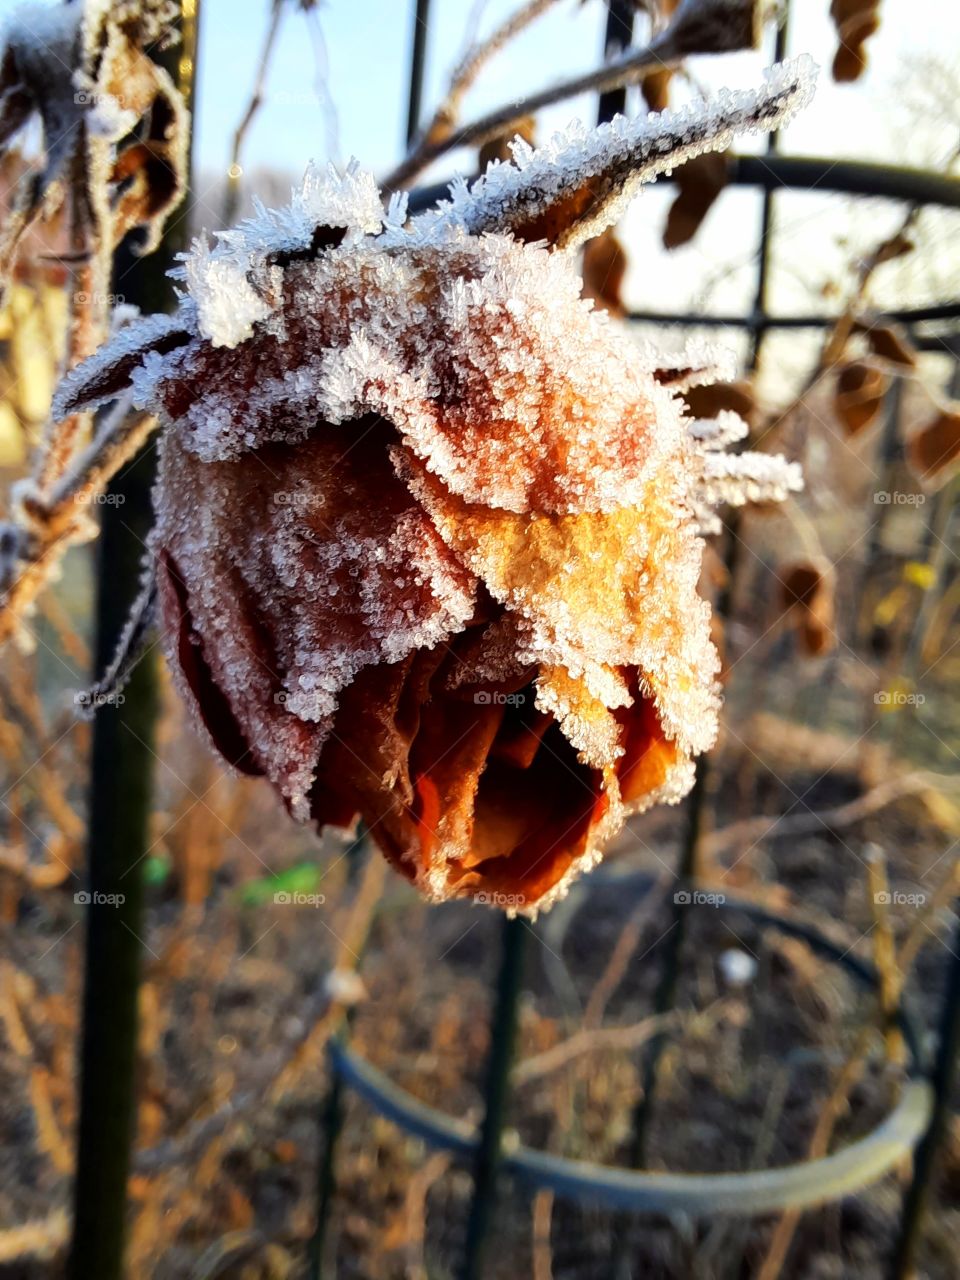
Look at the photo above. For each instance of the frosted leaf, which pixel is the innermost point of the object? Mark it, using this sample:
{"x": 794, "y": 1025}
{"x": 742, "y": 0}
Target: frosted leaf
{"x": 612, "y": 161}
{"x": 717, "y": 433}
{"x": 232, "y": 283}
{"x": 749, "y": 477}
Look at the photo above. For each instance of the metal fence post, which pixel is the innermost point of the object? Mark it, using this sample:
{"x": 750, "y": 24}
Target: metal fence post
{"x": 502, "y": 1038}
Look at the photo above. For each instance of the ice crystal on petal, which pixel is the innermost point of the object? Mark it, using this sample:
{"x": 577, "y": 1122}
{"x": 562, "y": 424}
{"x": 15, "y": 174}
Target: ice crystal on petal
{"x": 749, "y": 477}
{"x": 428, "y": 535}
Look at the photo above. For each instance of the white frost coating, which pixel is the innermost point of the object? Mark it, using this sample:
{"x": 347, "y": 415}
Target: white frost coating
{"x": 719, "y": 432}
{"x": 78, "y": 389}
{"x": 374, "y": 437}
{"x": 227, "y": 304}
{"x": 749, "y": 477}
{"x": 645, "y": 146}
{"x": 221, "y": 280}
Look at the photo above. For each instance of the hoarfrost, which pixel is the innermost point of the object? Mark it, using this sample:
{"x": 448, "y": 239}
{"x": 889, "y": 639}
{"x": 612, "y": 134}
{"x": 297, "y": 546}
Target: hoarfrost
{"x": 377, "y": 428}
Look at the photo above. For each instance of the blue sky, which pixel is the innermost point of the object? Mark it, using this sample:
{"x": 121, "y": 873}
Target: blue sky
{"x": 367, "y": 49}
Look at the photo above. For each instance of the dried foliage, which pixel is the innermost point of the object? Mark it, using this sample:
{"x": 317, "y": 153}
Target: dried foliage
{"x": 710, "y": 399}
{"x": 889, "y": 342}
{"x": 933, "y": 452}
{"x": 604, "y": 267}
{"x": 860, "y": 389}
{"x": 855, "y": 21}
{"x": 807, "y": 596}
{"x": 699, "y": 182}
{"x": 114, "y": 133}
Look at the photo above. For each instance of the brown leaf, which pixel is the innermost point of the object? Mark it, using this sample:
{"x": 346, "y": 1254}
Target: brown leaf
{"x": 568, "y": 213}
{"x": 933, "y": 453}
{"x": 807, "y": 594}
{"x": 896, "y": 247}
{"x": 859, "y": 394}
{"x": 604, "y": 266}
{"x": 699, "y": 182}
{"x": 498, "y": 148}
{"x": 889, "y": 342}
{"x": 855, "y": 21}
{"x": 707, "y": 401}
{"x": 655, "y": 87}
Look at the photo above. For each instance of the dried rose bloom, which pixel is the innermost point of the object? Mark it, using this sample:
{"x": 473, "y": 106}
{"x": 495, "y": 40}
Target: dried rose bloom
{"x": 427, "y": 528}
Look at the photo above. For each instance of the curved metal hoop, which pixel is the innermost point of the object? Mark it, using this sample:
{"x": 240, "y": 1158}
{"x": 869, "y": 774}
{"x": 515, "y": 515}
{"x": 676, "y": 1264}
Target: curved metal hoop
{"x": 793, "y": 1186}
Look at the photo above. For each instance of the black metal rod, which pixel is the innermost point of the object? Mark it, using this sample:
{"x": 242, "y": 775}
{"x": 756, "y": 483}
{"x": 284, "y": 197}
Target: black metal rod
{"x": 803, "y": 173}
{"x": 617, "y": 37}
{"x": 331, "y": 1126}
{"x": 118, "y": 824}
{"x": 118, "y": 835}
{"x": 761, "y": 300}
{"x": 942, "y": 1079}
{"x": 418, "y": 59}
{"x": 851, "y": 177}
{"x": 905, "y": 315}
{"x": 502, "y": 1039}
{"x": 670, "y": 964}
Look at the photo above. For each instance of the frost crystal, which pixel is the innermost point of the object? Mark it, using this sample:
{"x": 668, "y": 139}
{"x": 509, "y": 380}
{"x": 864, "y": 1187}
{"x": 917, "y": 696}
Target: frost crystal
{"x": 427, "y": 526}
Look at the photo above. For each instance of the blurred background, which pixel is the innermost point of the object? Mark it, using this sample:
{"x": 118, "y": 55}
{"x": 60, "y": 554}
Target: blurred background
{"x": 832, "y": 798}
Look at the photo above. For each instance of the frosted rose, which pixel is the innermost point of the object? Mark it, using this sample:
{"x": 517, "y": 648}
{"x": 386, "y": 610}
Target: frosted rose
{"x": 428, "y": 526}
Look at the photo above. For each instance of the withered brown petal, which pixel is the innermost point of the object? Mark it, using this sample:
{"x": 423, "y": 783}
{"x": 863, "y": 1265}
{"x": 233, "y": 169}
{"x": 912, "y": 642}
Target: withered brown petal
{"x": 858, "y": 397}
{"x": 604, "y": 267}
{"x": 699, "y": 183}
{"x": 933, "y": 452}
